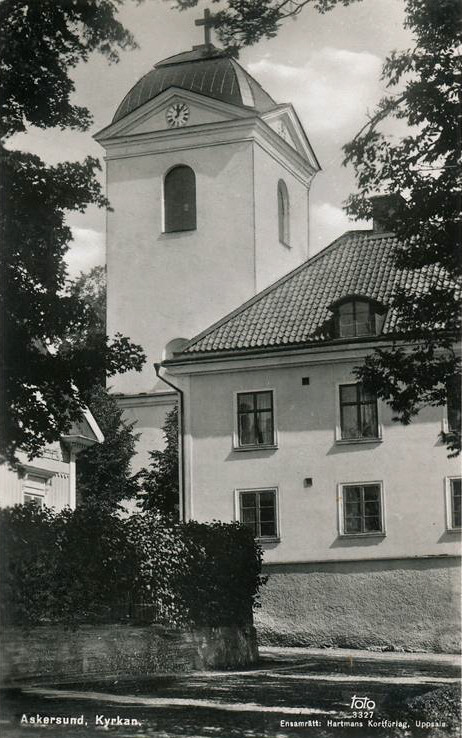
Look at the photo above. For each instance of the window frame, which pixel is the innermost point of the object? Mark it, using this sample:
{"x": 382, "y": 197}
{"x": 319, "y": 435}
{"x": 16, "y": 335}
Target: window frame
{"x": 283, "y": 206}
{"x": 338, "y": 418}
{"x": 377, "y": 316}
{"x": 341, "y": 510}
{"x": 165, "y": 231}
{"x": 237, "y": 509}
{"x": 259, "y": 446}
{"x": 35, "y": 485}
{"x": 446, "y": 426}
{"x": 448, "y": 494}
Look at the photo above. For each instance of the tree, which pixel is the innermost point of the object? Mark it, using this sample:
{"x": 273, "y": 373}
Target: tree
{"x": 104, "y": 475}
{"x": 43, "y": 375}
{"x": 160, "y": 483}
{"x": 104, "y": 470}
{"x": 424, "y": 166}
{"x": 245, "y": 22}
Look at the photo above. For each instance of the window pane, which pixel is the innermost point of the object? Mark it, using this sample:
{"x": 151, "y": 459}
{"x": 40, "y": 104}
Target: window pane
{"x": 348, "y": 393}
{"x": 267, "y": 529}
{"x": 347, "y": 328}
{"x": 34, "y": 499}
{"x": 248, "y": 499}
{"x": 263, "y": 400}
{"x": 265, "y": 428}
{"x": 245, "y": 402}
{"x": 362, "y": 310}
{"x": 346, "y": 311}
{"x": 352, "y": 524}
{"x": 365, "y": 395}
{"x": 349, "y": 422}
{"x": 456, "y": 503}
{"x": 180, "y": 199}
{"x": 372, "y": 523}
{"x": 372, "y": 492}
{"x": 247, "y": 429}
{"x": 267, "y": 499}
{"x": 369, "y": 425}
{"x": 454, "y": 404}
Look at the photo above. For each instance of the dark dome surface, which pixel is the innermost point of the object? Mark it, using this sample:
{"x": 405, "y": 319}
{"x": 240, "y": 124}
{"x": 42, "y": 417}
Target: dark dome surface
{"x": 205, "y": 70}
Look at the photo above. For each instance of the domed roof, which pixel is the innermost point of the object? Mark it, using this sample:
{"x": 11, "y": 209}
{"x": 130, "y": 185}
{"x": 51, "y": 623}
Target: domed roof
{"x": 205, "y": 70}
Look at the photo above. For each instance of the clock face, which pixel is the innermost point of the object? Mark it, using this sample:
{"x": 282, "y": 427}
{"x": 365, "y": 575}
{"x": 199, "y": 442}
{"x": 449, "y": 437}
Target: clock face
{"x": 177, "y": 115}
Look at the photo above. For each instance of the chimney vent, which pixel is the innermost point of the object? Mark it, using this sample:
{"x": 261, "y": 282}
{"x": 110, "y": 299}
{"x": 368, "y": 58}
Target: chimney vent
{"x": 385, "y": 210}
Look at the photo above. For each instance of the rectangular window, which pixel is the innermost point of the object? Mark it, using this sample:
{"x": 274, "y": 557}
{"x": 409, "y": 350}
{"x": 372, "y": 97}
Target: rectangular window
{"x": 35, "y": 499}
{"x": 361, "y": 509}
{"x": 258, "y": 512}
{"x": 453, "y": 389}
{"x": 455, "y": 486}
{"x": 255, "y": 419}
{"x": 358, "y": 412}
{"x": 34, "y": 489}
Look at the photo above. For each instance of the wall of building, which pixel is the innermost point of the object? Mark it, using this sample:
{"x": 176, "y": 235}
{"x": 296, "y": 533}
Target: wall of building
{"x": 148, "y": 413}
{"x": 402, "y": 605}
{"x": 273, "y": 258}
{"x": 163, "y": 286}
{"x": 400, "y": 589}
{"x": 410, "y": 461}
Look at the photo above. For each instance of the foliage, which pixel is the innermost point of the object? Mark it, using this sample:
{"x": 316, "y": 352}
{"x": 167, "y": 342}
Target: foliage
{"x": 424, "y": 166}
{"x": 41, "y": 42}
{"x": 245, "y": 22}
{"x": 160, "y": 483}
{"x": 43, "y": 376}
{"x": 222, "y": 576}
{"x": 103, "y": 470}
{"x": 27, "y": 563}
{"x": 91, "y": 565}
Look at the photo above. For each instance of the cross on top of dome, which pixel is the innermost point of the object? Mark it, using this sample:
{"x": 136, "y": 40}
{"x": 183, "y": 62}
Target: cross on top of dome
{"x": 208, "y": 21}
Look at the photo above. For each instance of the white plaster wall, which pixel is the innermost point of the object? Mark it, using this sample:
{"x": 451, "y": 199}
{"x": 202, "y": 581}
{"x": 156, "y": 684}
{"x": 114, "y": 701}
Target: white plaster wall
{"x": 411, "y": 462}
{"x": 148, "y": 416}
{"x": 275, "y": 259}
{"x": 164, "y": 286}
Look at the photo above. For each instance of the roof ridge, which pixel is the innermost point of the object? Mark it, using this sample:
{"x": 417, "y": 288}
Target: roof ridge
{"x": 260, "y": 295}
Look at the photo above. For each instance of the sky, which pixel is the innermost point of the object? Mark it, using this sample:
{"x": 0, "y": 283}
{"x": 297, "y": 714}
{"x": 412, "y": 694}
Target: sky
{"x": 328, "y": 66}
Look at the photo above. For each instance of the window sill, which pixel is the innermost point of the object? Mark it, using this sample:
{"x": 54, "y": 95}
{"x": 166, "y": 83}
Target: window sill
{"x": 454, "y": 530}
{"x": 378, "y": 534}
{"x": 180, "y": 230}
{"x": 283, "y": 243}
{"x": 260, "y": 447}
{"x": 269, "y": 539}
{"x": 347, "y": 441}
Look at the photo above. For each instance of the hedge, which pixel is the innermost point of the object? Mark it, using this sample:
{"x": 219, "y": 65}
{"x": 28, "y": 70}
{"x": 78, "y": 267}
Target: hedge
{"x": 89, "y": 565}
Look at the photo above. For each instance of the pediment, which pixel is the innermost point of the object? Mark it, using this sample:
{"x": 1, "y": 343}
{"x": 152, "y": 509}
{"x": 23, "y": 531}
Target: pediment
{"x": 285, "y": 122}
{"x": 152, "y": 116}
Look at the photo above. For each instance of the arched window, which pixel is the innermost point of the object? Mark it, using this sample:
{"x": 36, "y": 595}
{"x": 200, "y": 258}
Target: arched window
{"x": 180, "y": 199}
{"x": 283, "y": 212}
{"x": 357, "y": 316}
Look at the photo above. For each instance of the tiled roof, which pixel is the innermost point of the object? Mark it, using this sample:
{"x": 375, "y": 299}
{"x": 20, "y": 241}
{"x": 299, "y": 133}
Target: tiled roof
{"x": 206, "y": 70}
{"x": 294, "y": 310}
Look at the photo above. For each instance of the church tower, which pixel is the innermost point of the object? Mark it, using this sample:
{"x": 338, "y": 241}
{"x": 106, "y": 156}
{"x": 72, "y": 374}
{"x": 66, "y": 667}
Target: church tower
{"x": 208, "y": 180}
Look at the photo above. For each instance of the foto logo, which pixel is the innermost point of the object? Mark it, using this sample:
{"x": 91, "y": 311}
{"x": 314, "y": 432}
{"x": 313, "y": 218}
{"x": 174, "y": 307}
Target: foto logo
{"x": 362, "y": 703}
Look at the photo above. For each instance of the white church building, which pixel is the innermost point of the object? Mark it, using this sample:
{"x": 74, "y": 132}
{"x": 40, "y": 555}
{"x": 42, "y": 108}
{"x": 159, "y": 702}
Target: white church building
{"x": 359, "y": 517}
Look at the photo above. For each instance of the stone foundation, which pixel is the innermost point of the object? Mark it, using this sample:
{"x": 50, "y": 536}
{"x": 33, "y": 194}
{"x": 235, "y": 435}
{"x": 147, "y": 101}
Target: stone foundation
{"x": 400, "y": 604}
{"x": 54, "y": 653}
